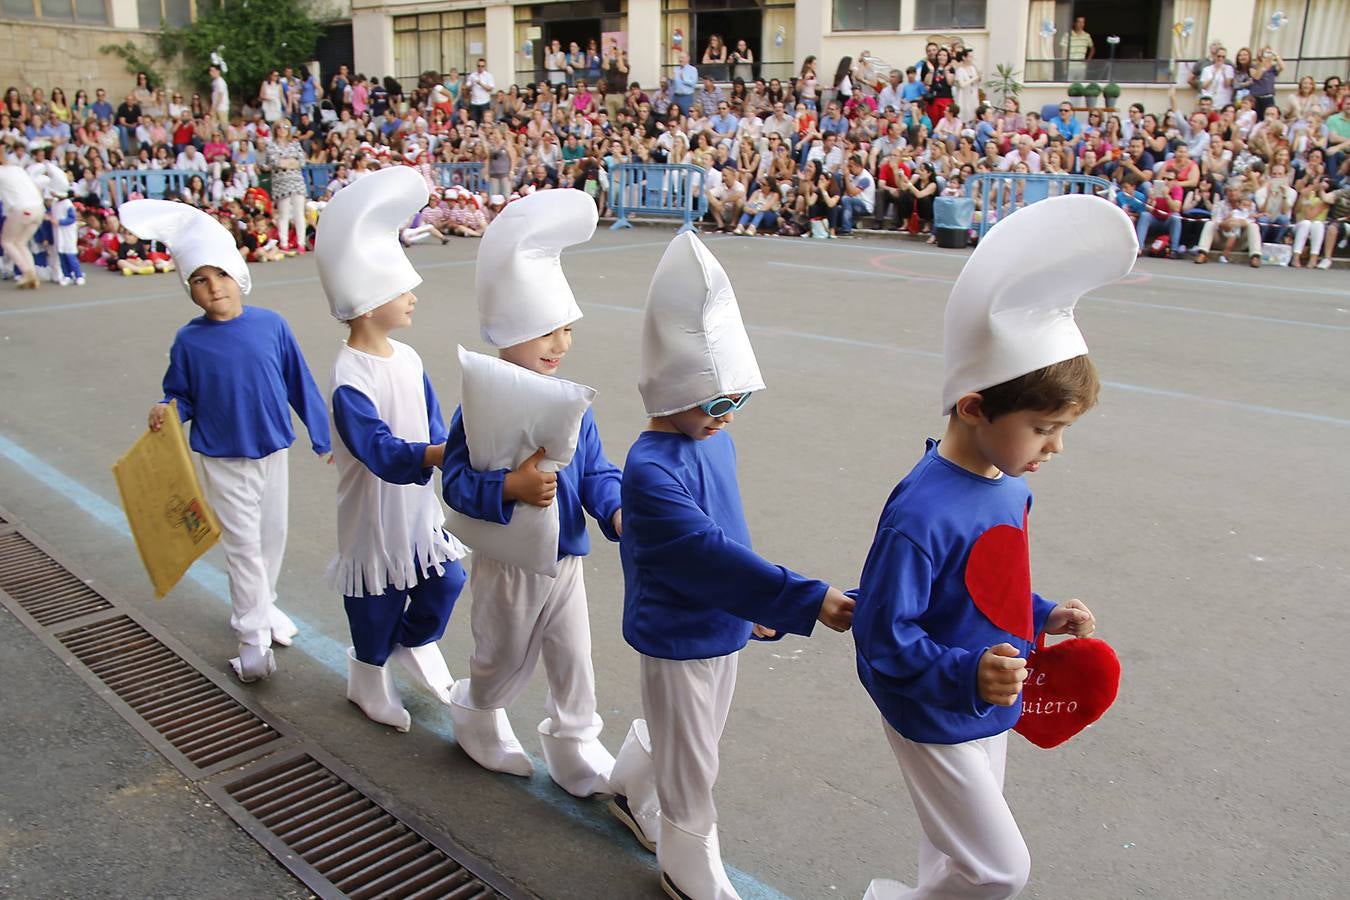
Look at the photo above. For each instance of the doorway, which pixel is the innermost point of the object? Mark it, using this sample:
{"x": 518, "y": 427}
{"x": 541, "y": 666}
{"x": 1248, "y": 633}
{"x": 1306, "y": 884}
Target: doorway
{"x": 565, "y": 31}
{"x": 731, "y": 25}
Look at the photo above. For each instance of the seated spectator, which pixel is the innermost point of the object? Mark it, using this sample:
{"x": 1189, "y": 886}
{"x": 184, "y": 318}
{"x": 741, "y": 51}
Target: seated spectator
{"x": 1163, "y": 211}
{"x": 858, "y": 196}
{"x": 726, "y": 200}
{"x": 1315, "y": 202}
{"x": 1233, "y": 222}
{"x": 761, "y": 210}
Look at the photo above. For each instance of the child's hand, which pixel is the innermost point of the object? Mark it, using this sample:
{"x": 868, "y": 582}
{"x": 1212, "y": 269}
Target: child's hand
{"x": 1071, "y": 617}
{"x": 762, "y": 632}
{"x": 157, "y": 414}
{"x": 327, "y": 458}
{"x": 1001, "y": 675}
{"x": 836, "y": 610}
{"x": 618, "y": 522}
{"x": 529, "y": 485}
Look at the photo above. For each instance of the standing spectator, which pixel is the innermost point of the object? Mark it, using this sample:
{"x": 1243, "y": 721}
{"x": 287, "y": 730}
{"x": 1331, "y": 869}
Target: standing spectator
{"x": 220, "y": 97}
{"x": 128, "y": 117}
{"x": 843, "y": 82}
{"x": 143, "y": 92}
{"x": 682, "y": 84}
{"x": 892, "y": 96}
{"x": 1216, "y": 79}
{"x": 286, "y": 159}
{"x": 555, "y": 64}
{"x": 709, "y": 96}
{"x": 743, "y": 62}
{"x": 939, "y": 83}
{"x": 715, "y": 59}
{"x": 310, "y": 91}
{"x": 481, "y": 84}
{"x": 1078, "y": 48}
{"x": 269, "y": 96}
{"x": 337, "y": 88}
{"x": 807, "y": 84}
{"x": 576, "y": 62}
{"x": 592, "y": 66}
{"x": 966, "y": 81}
{"x": 1263, "y": 71}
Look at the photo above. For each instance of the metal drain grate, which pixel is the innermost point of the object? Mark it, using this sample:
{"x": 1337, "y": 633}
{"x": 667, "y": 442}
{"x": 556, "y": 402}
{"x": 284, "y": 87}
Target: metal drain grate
{"x": 42, "y": 586}
{"x": 187, "y": 709}
{"x": 351, "y": 846}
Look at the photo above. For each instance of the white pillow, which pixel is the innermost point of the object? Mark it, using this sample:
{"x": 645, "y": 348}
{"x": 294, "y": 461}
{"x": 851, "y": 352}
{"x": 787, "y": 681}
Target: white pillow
{"x": 510, "y": 412}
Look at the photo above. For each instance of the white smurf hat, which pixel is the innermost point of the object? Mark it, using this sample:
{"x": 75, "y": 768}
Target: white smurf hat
{"x": 694, "y": 345}
{"x": 522, "y": 291}
{"x": 362, "y": 265}
{"x": 1011, "y": 311}
{"x": 58, "y": 185}
{"x": 193, "y": 237}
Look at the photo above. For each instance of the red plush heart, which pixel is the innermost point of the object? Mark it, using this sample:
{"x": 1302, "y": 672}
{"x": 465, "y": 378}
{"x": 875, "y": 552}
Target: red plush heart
{"x": 998, "y": 576}
{"x": 1069, "y": 685}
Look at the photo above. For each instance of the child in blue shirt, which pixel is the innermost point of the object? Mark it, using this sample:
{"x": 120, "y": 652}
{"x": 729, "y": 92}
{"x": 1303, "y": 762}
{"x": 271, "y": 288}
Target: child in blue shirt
{"x": 233, "y": 371}
{"x": 946, "y": 615}
{"x": 527, "y": 309}
{"x": 694, "y": 590}
{"x": 397, "y": 568}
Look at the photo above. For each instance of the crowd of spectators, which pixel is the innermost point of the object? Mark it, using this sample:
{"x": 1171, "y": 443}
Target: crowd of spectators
{"x": 1225, "y": 169}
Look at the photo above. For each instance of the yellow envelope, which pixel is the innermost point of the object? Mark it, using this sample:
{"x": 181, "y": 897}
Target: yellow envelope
{"x": 164, "y": 503}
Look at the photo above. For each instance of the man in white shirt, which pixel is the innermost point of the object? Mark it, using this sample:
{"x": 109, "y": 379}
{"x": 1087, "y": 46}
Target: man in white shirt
{"x": 190, "y": 160}
{"x": 860, "y": 192}
{"x": 891, "y": 95}
{"x": 220, "y": 97}
{"x": 1023, "y": 151}
{"x": 726, "y": 200}
{"x": 481, "y": 85}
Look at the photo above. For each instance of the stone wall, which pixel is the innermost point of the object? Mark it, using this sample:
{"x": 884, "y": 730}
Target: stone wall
{"x": 65, "y": 56}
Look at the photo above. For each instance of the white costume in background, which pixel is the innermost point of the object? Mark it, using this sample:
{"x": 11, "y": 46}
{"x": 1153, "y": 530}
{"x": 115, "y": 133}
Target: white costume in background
{"x": 23, "y": 214}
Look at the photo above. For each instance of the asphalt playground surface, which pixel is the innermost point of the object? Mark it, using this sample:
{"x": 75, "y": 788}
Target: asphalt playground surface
{"x": 1201, "y": 511}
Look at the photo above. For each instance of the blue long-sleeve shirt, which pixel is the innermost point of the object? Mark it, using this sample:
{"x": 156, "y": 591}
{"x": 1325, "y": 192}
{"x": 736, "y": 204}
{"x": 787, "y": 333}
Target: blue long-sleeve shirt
{"x": 588, "y": 484}
{"x": 368, "y": 438}
{"x": 919, "y": 633}
{"x": 234, "y": 379}
{"x": 692, "y": 583}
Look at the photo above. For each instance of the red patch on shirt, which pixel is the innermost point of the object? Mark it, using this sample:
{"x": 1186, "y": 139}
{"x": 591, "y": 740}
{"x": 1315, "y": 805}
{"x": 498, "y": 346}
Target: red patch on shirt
{"x": 998, "y": 576}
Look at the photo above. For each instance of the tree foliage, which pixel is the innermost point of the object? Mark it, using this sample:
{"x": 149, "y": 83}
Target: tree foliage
{"x": 252, "y": 36}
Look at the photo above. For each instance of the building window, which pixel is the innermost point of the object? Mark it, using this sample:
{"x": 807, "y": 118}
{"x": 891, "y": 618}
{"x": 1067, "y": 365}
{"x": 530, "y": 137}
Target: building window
{"x": 767, "y": 27}
{"x": 866, "y": 15}
{"x": 1150, "y": 50}
{"x": 1312, "y": 40}
{"x": 579, "y": 21}
{"x": 437, "y": 43}
{"x": 930, "y": 14}
{"x": 94, "y": 12}
{"x": 170, "y": 13}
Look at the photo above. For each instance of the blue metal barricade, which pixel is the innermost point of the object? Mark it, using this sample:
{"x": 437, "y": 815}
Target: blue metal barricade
{"x": 154, "y": 184}
{"x": 471, "y": 175}
{"x": 998, "y": 194}
{"x": 657, "y": 190}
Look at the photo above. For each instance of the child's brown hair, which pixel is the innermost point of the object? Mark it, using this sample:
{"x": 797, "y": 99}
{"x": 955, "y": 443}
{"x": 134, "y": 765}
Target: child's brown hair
{"x": 1071, "y": 383}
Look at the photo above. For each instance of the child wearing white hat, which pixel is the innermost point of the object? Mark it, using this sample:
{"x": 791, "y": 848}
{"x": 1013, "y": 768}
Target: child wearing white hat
{"x": 946, "y": 615}
{"x": 526, "y": 309}
{"x": 65, "y": 228}
{"x": 397, "y": 568}
{"x": 692, "y": 585}
{"x": 233, "y": 371}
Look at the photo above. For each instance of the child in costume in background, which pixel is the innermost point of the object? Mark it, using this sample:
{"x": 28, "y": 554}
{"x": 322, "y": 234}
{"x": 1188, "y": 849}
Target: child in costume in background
{"x": 692, "y": 585}
{"x": 65, "y": 229}
{"x": 526, "y": 309}
{"x": 233, "y": 372}
{"x": 946, "y": 615}
{"x": 397, "y": 568}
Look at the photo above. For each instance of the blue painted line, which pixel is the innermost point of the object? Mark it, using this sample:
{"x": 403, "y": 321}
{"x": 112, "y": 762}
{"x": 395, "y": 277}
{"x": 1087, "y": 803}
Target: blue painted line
{"x": 332, "y": 654}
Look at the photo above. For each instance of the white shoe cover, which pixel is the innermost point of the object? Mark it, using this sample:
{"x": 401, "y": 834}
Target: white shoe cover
{"x": 372, "y": 689}
{"x": 692, "y": 863}
{"x": 486, "y": 735}
{"x": 427, "y": 667}
{"x": 253, "y": 663}
{"x": 887, "y": 889}
{"x": 283, "y": 629}
{"x": 579, "y": 767}
{"x": 634, "y": 778}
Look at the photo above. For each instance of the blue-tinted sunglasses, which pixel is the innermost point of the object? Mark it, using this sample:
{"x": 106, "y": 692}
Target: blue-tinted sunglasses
{"x": 720, "y": 406}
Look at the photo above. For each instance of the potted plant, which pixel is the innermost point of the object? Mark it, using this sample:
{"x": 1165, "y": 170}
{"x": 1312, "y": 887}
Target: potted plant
{"x": 1111, "y": 92}
{"x": 1005, "y": 82}
{"x": 1091, "y": 91}
{"x": 1075, "y": 90}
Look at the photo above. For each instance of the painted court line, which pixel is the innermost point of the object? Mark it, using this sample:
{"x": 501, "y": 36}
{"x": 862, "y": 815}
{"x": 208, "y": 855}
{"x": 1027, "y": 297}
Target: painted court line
{"x": 332, "y": 655}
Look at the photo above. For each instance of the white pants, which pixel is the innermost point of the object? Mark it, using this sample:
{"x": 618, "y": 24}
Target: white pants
{"x": 249, "y": 497}
{"x": 290, "y": 210}
{"x": 686, "y": 702}
{"x": 518, "y": 616}
{"x": 20, "y": 224}
{"x": 1316, "y": 228}
{"x": 971, "y": 847}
